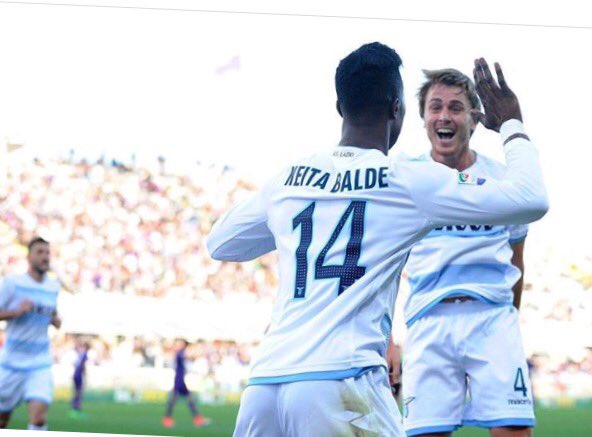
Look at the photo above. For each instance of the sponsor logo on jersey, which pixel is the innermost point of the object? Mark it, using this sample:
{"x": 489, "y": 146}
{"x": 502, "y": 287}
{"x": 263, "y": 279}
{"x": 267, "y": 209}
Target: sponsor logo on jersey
{"x": 519, "y": 402}
{"x": 467, "y": 179}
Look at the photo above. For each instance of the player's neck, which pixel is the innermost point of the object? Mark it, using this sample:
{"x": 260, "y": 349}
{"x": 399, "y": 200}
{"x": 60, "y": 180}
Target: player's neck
{"x": 365, "y": 137}
{"x": 38, "y": 277}
{"x": 458, "y": 162}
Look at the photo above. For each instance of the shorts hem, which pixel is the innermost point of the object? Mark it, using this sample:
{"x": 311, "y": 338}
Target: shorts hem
{"x": 36, "y": 399}
{"x": 514, "y": 421}
{"x": 431, "y": 429}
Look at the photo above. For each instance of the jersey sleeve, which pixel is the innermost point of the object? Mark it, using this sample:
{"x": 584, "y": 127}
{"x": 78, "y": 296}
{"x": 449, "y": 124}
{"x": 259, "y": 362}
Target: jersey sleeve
{"x": 446, "y": 197}
{"x": 518, "y": 233}
{"x": 242, "y": 233}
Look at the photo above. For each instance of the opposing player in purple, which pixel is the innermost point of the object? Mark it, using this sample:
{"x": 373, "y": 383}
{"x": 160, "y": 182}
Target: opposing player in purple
{"x": 82, "y": 349}
{"x": 180, "y": 390}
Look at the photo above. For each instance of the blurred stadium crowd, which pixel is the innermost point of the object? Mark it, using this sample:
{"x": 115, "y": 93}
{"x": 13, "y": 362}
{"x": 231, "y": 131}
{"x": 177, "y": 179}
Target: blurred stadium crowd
{"x": 126, "y": 230}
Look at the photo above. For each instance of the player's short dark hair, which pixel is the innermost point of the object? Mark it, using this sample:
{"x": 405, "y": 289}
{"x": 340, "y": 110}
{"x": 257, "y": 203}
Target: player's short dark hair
{"x": 36, "y": 240}
{"x": 448, "y": 77}
{"x": 368, "y": 79}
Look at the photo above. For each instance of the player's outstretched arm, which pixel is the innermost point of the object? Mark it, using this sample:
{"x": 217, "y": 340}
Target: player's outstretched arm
{"x": 447, "y": 197}
{"x": 242, "y": 233}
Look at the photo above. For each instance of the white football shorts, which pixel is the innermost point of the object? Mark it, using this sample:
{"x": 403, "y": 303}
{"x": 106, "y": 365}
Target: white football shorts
{"x": 464, "y": 365}
{"x": 27, "y": 385}
{"x": 362, "y": 406}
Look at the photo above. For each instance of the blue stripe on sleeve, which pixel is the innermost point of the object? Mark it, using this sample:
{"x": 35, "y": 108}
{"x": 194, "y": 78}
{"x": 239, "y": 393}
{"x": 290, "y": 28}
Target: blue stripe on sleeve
{"x": 517, "y": 240}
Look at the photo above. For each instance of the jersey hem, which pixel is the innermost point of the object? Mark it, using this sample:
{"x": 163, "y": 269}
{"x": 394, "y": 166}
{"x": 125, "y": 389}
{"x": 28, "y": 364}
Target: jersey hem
{"x": 321, "y": 369}
{"x": 313, "y": 376}
{"x": 459, "y": 291}
{"x": 517, "y": 240}
{"x": 37, "y": 399}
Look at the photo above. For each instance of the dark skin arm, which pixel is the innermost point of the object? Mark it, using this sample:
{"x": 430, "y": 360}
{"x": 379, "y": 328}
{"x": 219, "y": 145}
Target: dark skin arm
{"x": 518, "y": 261}
{"x": 500, "y": 105}
{"x": 393, "y": 360}
{"x": 56, "y": 320}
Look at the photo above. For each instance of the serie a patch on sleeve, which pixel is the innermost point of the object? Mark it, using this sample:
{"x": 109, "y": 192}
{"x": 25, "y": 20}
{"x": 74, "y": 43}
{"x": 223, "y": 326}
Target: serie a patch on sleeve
{"x": 467, "y": 179}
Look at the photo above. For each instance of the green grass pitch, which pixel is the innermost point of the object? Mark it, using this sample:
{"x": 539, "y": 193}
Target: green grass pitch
{"x": 145, "y": 419}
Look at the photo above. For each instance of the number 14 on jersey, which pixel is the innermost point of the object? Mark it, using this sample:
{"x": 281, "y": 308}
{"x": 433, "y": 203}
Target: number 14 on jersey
{"x": 348, "y": 272}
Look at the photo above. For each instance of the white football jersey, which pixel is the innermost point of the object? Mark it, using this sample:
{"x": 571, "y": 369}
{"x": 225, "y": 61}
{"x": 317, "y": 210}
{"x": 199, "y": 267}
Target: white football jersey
{"x": 343, "y": 223}
{"x": 27, "y": 345}
{"x": 470, "y": 260}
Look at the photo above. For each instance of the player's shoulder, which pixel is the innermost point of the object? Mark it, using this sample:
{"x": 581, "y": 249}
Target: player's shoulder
{"x": 14, "y": 278}
{"x": 52, "y": 284}
{"x": 405, "y": 157}
{"x": 299, "y": 164}
{"x": 419, "y": 168}
{"x": 488, "y": 165}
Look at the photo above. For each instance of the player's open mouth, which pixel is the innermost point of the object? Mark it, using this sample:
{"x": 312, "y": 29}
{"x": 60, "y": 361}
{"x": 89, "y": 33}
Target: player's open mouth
{"x": 445, "y": 134}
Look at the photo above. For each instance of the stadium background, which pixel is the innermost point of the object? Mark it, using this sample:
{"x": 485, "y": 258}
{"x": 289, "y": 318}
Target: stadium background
{"x": 126, "y": 178}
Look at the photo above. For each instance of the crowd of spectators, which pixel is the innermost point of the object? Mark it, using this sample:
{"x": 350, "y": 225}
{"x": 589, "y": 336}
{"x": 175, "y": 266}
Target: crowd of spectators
{"x": 562, "y": 379}
{"x": 126, "y": 230}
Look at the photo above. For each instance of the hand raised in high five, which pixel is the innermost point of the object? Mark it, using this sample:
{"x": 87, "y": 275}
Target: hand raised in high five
{"x": 499, "y": 101}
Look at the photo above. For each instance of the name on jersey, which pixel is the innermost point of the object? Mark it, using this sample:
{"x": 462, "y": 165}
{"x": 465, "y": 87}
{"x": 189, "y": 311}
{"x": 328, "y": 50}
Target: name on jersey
{"x": 474, "y": 228}
{"x": 348, "y": 180}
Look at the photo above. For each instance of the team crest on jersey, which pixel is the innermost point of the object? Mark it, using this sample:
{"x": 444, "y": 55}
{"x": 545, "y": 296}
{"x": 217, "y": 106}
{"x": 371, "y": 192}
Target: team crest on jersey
{"x": 465, "y": 178}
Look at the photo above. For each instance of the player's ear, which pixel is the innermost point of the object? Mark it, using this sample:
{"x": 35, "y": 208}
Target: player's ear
{"x": 423, "y": 118}
{"x": 395, "y": 109}
{"x": 338, "y": 107}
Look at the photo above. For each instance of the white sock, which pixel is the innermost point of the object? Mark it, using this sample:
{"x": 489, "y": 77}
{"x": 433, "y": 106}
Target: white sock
{"x": 37, "y": 428}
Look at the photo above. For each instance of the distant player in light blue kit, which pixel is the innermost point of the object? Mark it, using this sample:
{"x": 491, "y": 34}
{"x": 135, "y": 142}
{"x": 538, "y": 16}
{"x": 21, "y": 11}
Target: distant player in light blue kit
{"x": 464, "y": 335}
{"x": 343, "y": 222}
{"x": 180, "y": 390}
{"x": 28, "y": 303}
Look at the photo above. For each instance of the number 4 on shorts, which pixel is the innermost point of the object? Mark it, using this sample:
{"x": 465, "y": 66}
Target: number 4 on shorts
{"x": 519, "y": 384}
